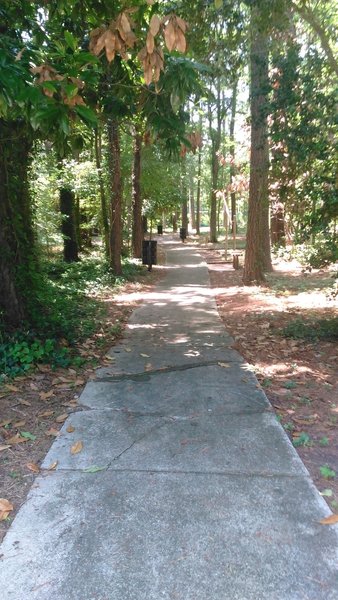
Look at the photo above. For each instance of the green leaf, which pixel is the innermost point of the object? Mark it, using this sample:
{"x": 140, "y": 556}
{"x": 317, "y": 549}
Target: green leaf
{"x": 87, "y": 115}
{"x": 327, "y": 492}
{"x": 327, "y": 472}
{"x": 71, "y": 41}
{"x": 27, "y": 435}
{"x": 218, "y": 4}
{"x": 94, "y": 469}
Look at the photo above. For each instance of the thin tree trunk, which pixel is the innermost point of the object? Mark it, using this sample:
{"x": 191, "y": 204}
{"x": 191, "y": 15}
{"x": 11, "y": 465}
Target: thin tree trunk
{"x": 192, "y": 195}
{"x": 68, "y": 224}
{"x": 232, "y": 151}
{"x": 104, "y": 211}
{"x": 198, "y": 191}
{"x": 258, "y": 255}
{"x": 137, "y": 236}
{"x": 115, "y": 234}
{"x": 216, "y": 139}
{"x": 184, "y": 190}
{"x": 175, "y": 218}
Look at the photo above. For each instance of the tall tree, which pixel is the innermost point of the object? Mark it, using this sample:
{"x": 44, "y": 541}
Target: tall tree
{"x": 258, "y": 254}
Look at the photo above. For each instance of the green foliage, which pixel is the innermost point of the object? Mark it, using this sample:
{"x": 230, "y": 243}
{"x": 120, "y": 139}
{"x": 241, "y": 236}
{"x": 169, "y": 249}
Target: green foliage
{"x": 324, "y": 441}
{"x": 323, "y": 329}
{"x": 327, "y": 472}
{"x": 303, "y": 440}
{"x": 64, "y": 311}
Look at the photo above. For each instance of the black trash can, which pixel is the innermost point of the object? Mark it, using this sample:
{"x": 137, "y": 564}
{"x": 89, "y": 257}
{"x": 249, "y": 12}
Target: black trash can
{"x": 160, "y": 229}
{"x": 149, "y": 253}
{"x": 183, "y": 233}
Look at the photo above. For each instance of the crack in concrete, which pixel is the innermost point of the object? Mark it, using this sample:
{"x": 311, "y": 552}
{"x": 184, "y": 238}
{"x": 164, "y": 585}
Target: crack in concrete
{"x": 145, "y": 375}
{"x": 140, "y": 439}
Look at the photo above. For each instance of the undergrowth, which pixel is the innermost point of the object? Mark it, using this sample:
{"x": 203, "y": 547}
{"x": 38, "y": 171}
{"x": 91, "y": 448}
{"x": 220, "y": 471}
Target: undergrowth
{"x": 319, "y": 329}
{"x": 63, "y": 310}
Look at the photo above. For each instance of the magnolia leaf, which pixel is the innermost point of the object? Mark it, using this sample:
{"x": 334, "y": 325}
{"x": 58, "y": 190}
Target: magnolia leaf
{"x": 181, "y": 44}
{"x": 52, "y": 466}
{"x": 47, "y": 413}
{"x": 5, "y": 505}
{"x": 331, "y": 520}
{"x": 46, "y": 395}
{"x": 144, "y": 355}
{"x": 11, "y": 388}
{"x": 4, "y": 447}
{"x": 61, "y": 418}
{"x": 170, "y": 36}
{"x": 18, "y": 424}
{"x": 94, "y": 469}
{"x": 25, "y": 402}
{"x": 150, "y": 43}
{"x": 70, "y": 428}
{"x": 33, "y": 467}
{"x": 224, "y": 365}
{"x": 77, "y": 447}
{"x": 53, "y": 432}
{"x": 16, "y": 439}
{"x": 154, "y": 25}
{"x": 27, "y": 435}
{"x": 6, "y": 422}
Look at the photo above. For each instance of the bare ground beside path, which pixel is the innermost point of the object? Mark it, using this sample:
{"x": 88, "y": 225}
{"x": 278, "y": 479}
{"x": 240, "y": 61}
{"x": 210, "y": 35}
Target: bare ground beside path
{"x": 299, "y": 377}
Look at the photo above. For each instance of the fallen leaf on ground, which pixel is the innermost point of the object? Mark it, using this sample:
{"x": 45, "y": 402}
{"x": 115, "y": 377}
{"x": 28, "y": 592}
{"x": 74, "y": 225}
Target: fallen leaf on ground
{"x": 53, "y": 466}
{"x": 144, "y": 355}
{"x": 70, "y": 428}
{"x": 16, "y": 439}
{"x": 28, "y": 435}
{"x": 331, "y": 520}
{"x": 225, "y": 365}
{"x": 127, "y": 349}
{"x": 109, "y": 357}
{"x": 19, "y": 424}
{"x": 46, "y": 395}
{"x": 4, "y": 447}
{"x": 33, "y": 467}
{"x": 25, "y": 402}
{"x": 5, "y": 508}
{"x": 5, "y": 422}
{"x": 47, "y": 413}
{"x": 53, "y": 431}
{"x": 61, "y": 418}
{"x": 78, "y": 382}
{"x": 11, "y": 388}
{"x": 77, "y": 447}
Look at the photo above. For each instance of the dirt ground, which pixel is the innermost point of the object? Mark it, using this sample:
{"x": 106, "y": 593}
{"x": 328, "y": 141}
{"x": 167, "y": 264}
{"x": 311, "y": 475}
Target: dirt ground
{"x": 300, "y": 378}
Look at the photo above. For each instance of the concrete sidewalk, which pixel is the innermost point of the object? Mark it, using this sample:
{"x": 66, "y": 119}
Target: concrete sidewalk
{"x": 187, "y": 487}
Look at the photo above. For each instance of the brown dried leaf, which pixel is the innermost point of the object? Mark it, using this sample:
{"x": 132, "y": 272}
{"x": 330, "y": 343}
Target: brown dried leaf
{"x": 61, "y": 418}
{"x": 25, "y": 402}
{"x": 47, "y": 413}
{"x": 70, "y": 428}
{"x": 16, "y": 439}
{"x": 170, "y": 36}
{"x": 53, "y": 432}
{"x": 46, "y": 395}
{"x": 182, "y": 24}
{"x": 18, "y": 424}
{"x": 53, "y": 466}
{"x": 4, "y": 447}
{"x": 77, "y": 447}
{"x": 11, "y": 388}
{"x": 100, "y": 44}
{"x": 154, "y": 25}
{"x": 331, "y": 520}
{"x": 181, "y": 44}
{"x": 150, "y": 43}
{"x": 33, "y": 467}
{"x": 5, "y": 505}
{"x": 6, "y": 422}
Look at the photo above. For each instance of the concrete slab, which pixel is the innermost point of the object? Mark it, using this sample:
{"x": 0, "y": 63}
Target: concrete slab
{"x": 137, "y": 536}
{"x": 252, "y": 443}
{"x": 181, "y": 392}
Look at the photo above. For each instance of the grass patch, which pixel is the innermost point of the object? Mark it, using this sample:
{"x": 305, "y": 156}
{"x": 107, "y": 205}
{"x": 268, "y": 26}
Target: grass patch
{"x": 319, "y": 329}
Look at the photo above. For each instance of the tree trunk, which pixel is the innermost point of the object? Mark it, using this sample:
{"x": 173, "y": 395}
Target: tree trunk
{"x": 137, "y": 199}
{"x": 198, "y": 192}
{"x": 175, "y": 218}
{"x": 278, "y": 224}
{"x": 115, "y": 234}
{"x": 18, "y": 259}
{"x": 104, "y": 211}
{"x": 215, "y": 140}
{"x": 192, "y": 196}
{"x": 184, "y": 190}
{"x": 258, "y": 255}
{"x": 232, "y": 152}
{"x": 68, "y": 224}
